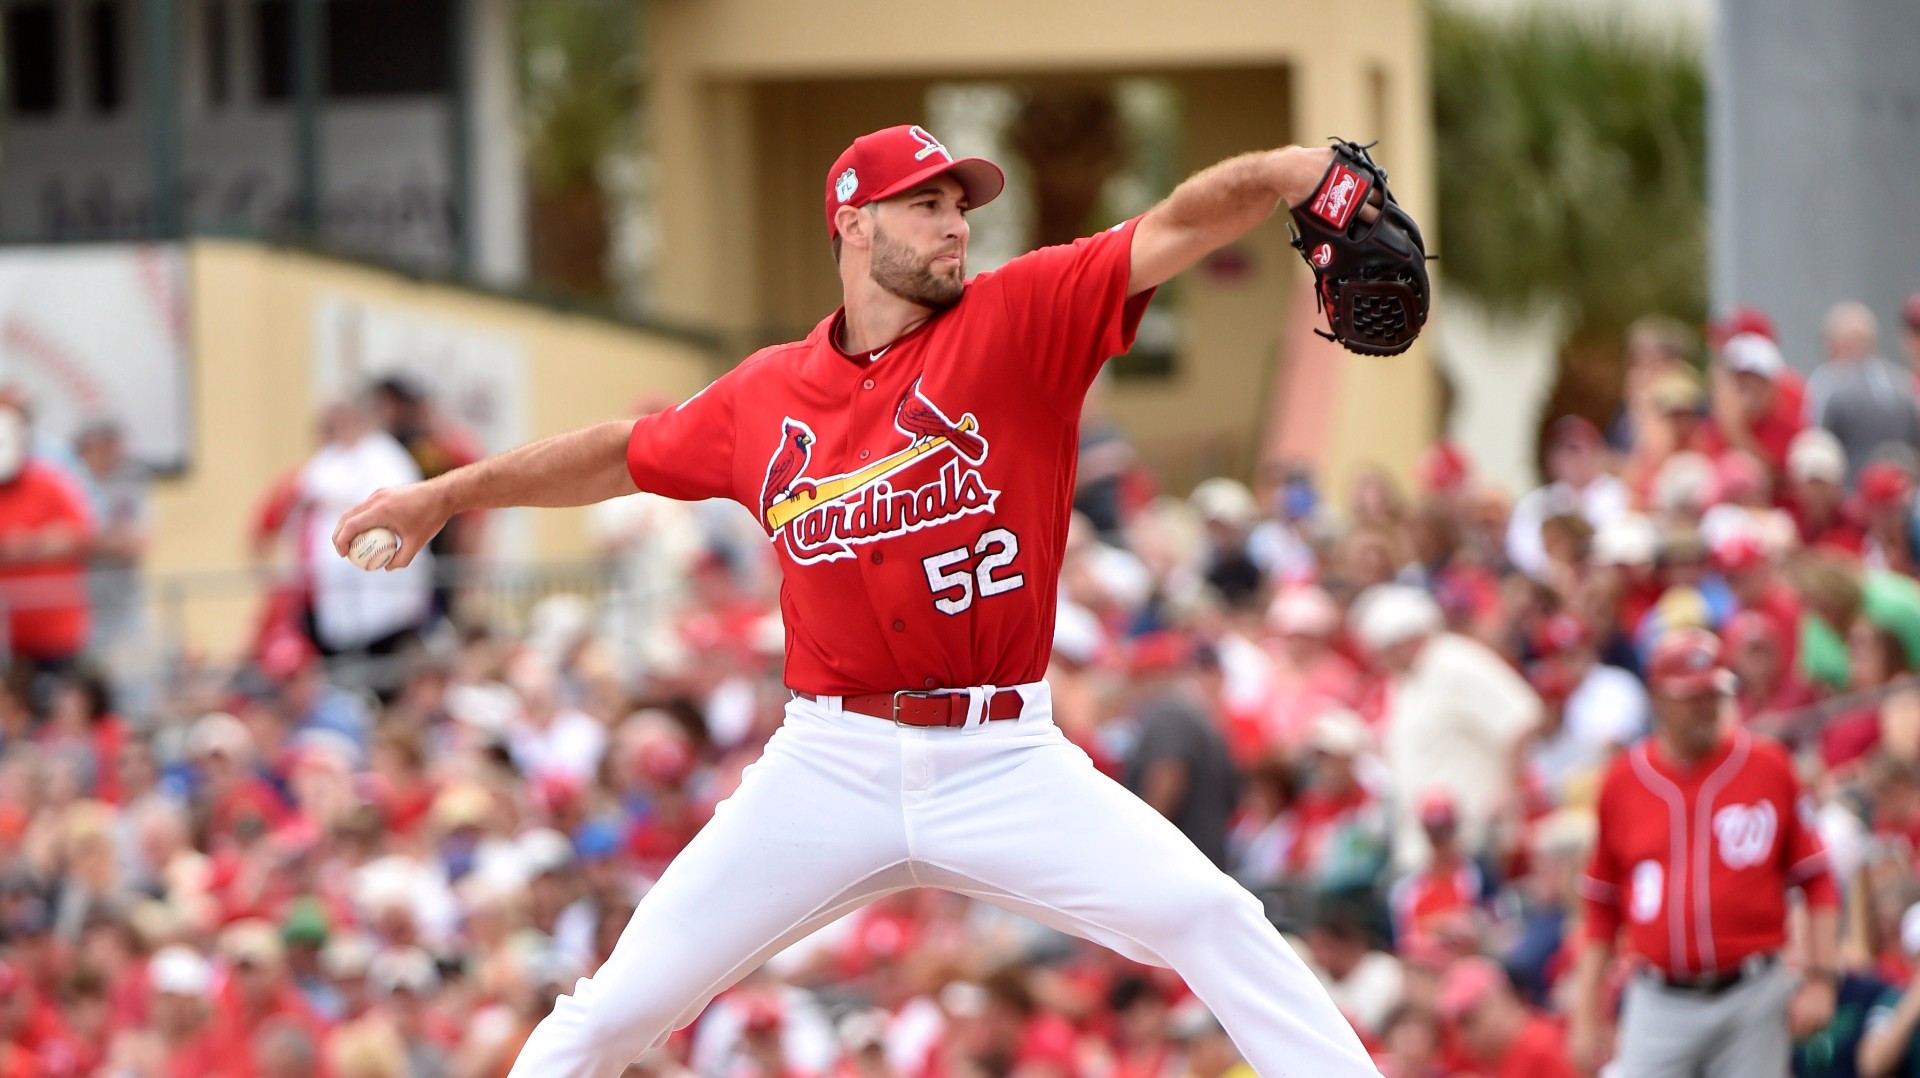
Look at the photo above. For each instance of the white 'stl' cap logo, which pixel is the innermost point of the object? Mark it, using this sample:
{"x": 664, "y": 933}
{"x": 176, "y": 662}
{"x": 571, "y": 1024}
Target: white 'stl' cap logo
{"x": 928, "y": 144}
{"x": 846, "y": 185}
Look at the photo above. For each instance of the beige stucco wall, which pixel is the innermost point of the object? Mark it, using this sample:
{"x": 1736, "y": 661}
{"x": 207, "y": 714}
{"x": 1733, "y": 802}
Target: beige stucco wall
{"x": 252, "y": 318}
{"x": 750, "y": 100}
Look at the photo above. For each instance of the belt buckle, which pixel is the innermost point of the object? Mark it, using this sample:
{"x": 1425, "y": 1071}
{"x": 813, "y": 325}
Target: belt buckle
{"x": 898, "y": 693}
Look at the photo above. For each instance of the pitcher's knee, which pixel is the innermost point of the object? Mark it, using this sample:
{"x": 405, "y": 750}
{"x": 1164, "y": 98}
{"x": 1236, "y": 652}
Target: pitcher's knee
{"x": 623, "y": 1023}
{"x": 1207, "y": 904}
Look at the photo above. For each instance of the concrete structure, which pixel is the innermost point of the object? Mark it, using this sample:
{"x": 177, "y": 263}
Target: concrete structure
{"x": 150, "y": 119}
{"x": 1813, "y": 144}
{"x": 751, "y": 100}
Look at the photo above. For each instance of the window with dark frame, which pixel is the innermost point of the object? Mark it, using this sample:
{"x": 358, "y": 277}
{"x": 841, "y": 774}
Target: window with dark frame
{"x": 106, "y": 56}
{"x": 375, "y": 48}
{"x": 219, "y": 55}
{"x": 33, "y": 58}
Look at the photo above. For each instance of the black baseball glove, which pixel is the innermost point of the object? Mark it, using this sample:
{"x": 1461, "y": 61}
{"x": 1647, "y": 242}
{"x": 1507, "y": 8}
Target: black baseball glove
{"x": 1370, "y": 277}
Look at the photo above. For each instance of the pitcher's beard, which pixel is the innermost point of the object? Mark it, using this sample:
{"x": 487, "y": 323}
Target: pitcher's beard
{"x": 894, "y": 268}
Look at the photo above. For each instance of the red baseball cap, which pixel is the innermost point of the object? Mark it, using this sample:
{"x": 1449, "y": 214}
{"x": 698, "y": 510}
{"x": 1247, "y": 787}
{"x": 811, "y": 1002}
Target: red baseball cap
{"x": 1437, "y": 809}
{"x": 1161, "y": 652}
{"x": 1573, "y": 430}
{"x": 1550, "y": 680}
{"x": 1747, "y": 628}
{"x": 1686, "y": 662}
{"x": 1560, "y": 634}
{"x": 1883, "y": 482}
{"x": 1741, "y": 320}
{"x": 1443, "y": 468}
{"x": 1471, "y": 982}
{"x": 763, "y": 1014}
{"x": 890, "y": 161}
{"x": 1739, "y": 552}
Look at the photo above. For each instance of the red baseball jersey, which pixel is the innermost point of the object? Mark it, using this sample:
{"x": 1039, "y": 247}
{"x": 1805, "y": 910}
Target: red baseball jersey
{"x": 918, "y": 496}
{"x": 1696, "y": 861}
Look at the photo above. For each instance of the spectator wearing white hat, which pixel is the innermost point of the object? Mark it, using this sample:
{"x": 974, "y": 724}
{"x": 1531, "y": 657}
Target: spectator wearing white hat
{"x": 1079, "y": 641}
{"x": 1341, "y": 841}
{"x": 1816, "y": 493}
{"x": 1227, "y": 510}
{"x": 1210, "y": 1052}
{"x": 1308, "y": 675}
{"x": 225, "y": 759}
{"x": 1749, "y": 414}
{"x": 179, "y": 1037}
{"x": 403, "y": 981}
{"x": 1457, "y": 716}
{"x": 1578, "y": 483}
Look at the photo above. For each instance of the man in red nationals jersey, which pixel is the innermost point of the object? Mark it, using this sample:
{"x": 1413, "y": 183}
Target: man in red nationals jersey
{"x": 1703, "y": 832}
{"x": 912, "y": 462}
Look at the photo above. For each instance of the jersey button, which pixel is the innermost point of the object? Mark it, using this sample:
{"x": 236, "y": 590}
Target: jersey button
{"x": 868, "y": 384}
{"x": 928, "y": 683}
{"x": 899, "y": 626}
{"x": 877, "y": 558}
{"x": 864, "y": 454}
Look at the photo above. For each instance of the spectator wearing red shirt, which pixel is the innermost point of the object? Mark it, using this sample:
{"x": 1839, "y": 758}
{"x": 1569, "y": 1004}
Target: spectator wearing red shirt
{"x": 1749, "y": 414}
{"x": 1498, "y": 1032}
{"x": 33, "y": 1042}
{"x": 669, "y": 816}
{"x": 1308, "y": 674}
{"x": 1875, "y": 657}
{"x": 176, "y": 1038}
{"x": 236, "y": 799}
{"x": 1703, "y": 829}
{"x": 1341, "y": 837}
{"x": 1756, "y": 653}
{"x": 1886, "y": 495}
{"x": 1449, "y": 883}
{"x": 258, "y": 995}
{"x": 1141, "y": 1048}
{"x": 1816, "y": 493}
{"x": 46, "y": 524}
{"x": 1757, "y": 586}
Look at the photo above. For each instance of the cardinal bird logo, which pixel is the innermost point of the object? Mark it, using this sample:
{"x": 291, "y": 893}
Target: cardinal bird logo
{"x": 821, "y": 518}
{"x": 789, "y": 461}
{"x": 921, "y": 419}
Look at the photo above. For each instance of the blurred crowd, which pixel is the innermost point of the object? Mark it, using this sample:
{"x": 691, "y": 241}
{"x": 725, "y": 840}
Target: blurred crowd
{"x": 1384, "y": 709}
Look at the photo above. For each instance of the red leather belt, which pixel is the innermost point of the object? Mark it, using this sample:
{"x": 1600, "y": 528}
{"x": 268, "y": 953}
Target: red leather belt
{"x": 936, "y": 709}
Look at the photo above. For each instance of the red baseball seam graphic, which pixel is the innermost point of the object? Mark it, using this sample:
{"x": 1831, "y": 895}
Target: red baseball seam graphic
{"x": 151, "y": 265}
{"x": 54, "y": 359}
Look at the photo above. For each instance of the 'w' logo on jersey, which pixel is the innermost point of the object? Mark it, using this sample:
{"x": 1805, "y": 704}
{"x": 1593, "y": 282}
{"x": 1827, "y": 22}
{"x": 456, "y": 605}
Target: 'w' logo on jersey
{"x": 1745, "y": 833}
{"x": 820, "y": 519}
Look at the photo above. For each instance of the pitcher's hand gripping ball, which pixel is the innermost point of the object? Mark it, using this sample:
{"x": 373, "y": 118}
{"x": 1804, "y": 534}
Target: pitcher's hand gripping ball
{"x": 1370, "y": 277}
{"x": 373, "y": 549}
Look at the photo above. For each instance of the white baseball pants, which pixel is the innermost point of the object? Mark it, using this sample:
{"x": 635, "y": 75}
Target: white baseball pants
{"x": 843, "y": 808}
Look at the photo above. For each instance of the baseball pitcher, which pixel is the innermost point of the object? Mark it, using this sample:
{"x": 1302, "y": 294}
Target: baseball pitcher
{"x": 912, "y": 462}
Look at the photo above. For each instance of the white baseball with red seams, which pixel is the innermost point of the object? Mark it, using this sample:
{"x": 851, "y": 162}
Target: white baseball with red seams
{"x": 373, "y": 549}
